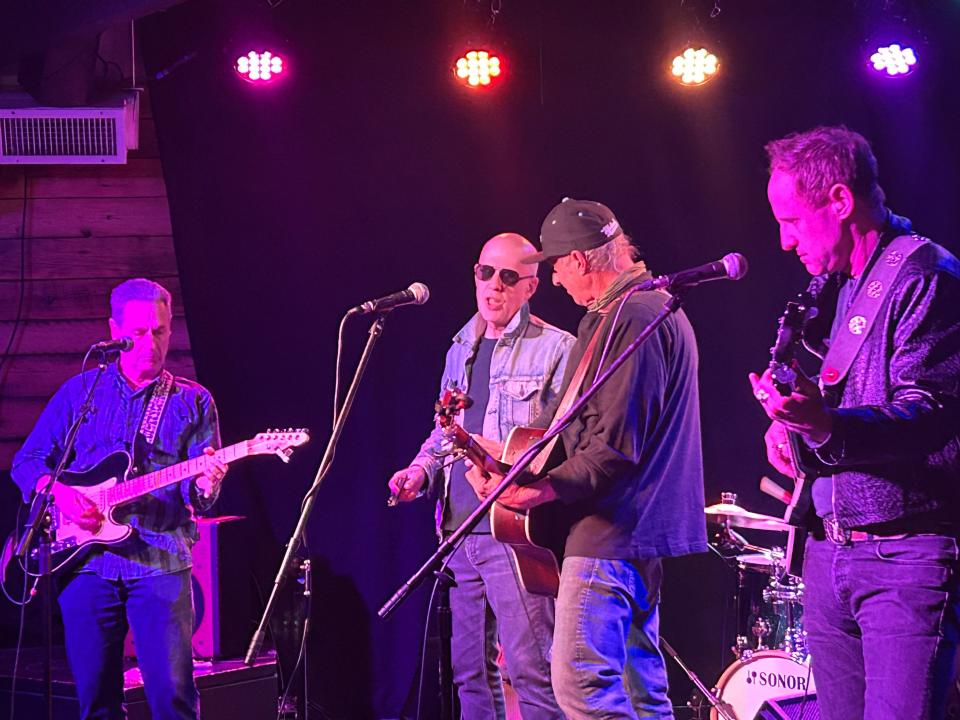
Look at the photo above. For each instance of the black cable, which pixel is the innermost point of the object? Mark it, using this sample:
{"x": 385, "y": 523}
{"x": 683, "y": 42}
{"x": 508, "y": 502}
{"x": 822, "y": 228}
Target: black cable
{"x": 426, "y": 627}
{"x": 16, "y": 655}
{"x": 23, "y": 274}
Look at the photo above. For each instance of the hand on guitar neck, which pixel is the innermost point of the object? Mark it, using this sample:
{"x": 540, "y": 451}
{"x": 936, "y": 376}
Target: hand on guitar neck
{"x": 801, "y": 409}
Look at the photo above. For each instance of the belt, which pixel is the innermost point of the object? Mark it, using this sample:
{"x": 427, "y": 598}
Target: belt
{"x": 841, "y": 536}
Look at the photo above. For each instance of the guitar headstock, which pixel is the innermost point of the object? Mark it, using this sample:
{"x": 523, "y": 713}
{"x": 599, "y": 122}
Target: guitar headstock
{"x": 278, "y": 442}
{"x": 790, "y": 331}
{"x": 452, "y": 402}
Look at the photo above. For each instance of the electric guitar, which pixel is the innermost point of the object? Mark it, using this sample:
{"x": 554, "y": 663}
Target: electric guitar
{"x": 95, "y": 495}
{"x": 534, "y": 537}
{"x": 790, "y": 334}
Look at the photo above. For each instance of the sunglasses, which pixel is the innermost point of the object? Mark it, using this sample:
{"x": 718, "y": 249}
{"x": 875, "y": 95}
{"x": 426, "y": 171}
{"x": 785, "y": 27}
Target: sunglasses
{"x": 507, "y": 276}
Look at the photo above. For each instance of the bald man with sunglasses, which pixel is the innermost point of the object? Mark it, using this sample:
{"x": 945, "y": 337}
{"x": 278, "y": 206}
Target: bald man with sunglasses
{"x": 511, "y": 364}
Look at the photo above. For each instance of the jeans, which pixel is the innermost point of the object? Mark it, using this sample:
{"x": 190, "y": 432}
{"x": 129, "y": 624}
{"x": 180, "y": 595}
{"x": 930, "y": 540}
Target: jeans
{"x": 160, "y": 611}
{"x": 606, "y": 656}
{"x": 488, "y": 601}
{"x": 882, "y": 624}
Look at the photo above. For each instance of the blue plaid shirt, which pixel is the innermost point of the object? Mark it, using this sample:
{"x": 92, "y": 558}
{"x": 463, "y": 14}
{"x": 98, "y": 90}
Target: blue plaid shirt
{"x": 164, "y": 519}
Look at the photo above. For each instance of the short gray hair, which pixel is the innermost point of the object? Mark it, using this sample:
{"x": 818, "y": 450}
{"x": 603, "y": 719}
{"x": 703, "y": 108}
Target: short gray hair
{"x": 613, "y": 256}
{"x": 137, "y": 289}
{"x": 819, "y": 158}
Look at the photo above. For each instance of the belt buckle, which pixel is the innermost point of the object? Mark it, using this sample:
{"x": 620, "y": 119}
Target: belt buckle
{"x": 834, "y": 533}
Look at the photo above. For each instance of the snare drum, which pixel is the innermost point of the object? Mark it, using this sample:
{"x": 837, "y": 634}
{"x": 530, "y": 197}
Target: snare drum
{"x": 768, "y": 674}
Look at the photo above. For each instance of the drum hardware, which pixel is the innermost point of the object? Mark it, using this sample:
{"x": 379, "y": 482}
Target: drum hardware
{"x": 763, "y": 675}
{"x": 720, "y": 709}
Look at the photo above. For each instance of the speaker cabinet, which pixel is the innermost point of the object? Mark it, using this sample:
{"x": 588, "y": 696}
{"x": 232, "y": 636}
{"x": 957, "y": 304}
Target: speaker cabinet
{"x": 793, "y": 708}
{"x": 221, "y": 626}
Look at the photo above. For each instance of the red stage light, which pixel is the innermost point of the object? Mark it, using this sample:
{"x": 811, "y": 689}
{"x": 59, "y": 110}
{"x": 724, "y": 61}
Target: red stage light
{"x": 259, "y": 67}
{"x": 477, "y": 68}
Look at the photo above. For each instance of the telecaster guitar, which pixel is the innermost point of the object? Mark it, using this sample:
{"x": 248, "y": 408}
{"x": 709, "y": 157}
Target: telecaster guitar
{"x": 104, "y": 488}
{"x": 534, "y": 537}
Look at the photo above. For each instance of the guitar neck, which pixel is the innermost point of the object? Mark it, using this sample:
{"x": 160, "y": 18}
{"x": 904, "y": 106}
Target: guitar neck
{"x": 135, "y": 487}
{"x": 478, "y": 456}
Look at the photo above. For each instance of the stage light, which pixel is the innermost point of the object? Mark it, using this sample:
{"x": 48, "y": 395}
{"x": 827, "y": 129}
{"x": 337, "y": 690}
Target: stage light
{"x": 477, "y": 68}
{"x": 894, "y": 60}
{"x": 695, "y": 66}
{"x": 260, "y": 67}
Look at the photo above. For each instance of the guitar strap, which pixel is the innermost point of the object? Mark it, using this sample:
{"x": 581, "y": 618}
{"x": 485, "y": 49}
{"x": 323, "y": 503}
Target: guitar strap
{"x": 150, "y": 422}
{"x": 569, "y": 396}
{"x": 860, "y": 318}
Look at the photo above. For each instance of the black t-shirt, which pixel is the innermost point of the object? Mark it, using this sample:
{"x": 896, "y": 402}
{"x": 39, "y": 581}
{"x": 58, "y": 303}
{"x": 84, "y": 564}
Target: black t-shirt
{"x": 463, "y": 500}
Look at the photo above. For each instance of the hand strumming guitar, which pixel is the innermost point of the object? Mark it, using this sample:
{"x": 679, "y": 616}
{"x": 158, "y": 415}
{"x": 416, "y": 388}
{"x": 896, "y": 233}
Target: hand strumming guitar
{"x": 518, "y": 497}
{"x": 78, "y": 508}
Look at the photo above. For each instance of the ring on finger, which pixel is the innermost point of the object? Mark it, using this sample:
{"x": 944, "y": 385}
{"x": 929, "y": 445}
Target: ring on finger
{"x": 762, "y": 395}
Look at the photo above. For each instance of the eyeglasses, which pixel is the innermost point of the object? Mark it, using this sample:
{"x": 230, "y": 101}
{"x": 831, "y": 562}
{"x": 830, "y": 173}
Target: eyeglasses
{"x": 507, "y": 276}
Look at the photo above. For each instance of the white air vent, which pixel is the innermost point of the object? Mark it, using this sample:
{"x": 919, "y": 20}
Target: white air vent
{"x": 77, "y": 135}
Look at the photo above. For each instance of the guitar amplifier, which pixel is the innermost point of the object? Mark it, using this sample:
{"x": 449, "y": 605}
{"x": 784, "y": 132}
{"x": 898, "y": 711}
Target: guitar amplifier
{"x": 801, "y": 707}
{"x": 220, "y": 629}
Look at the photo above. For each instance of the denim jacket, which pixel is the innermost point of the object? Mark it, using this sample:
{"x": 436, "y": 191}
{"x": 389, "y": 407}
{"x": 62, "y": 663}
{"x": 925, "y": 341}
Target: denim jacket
{"x": 526, "y": 371}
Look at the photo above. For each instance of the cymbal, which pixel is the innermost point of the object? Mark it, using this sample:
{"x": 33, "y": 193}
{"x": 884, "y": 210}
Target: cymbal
{"x": 738, "y": 517}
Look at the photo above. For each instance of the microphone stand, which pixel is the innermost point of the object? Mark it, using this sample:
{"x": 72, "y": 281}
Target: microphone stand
{"x": 446, "y": 546}
{"x": 40, "y": 525}
{"x": 256, "y": 642}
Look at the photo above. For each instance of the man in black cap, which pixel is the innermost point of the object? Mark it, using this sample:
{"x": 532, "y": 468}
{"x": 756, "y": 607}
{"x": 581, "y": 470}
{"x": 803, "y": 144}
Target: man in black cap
{"x": 632, "y": 477}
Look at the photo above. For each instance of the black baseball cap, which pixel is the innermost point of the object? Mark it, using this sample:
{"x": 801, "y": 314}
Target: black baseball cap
{"x": 575, "y": 225}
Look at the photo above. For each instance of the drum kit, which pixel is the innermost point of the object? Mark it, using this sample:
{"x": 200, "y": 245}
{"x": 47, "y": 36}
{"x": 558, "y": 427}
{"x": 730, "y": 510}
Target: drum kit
{"x": 772, "y": 661}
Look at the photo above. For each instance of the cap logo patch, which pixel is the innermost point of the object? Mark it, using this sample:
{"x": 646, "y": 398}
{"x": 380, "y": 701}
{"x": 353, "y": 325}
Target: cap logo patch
{"x": 610, "y": 229}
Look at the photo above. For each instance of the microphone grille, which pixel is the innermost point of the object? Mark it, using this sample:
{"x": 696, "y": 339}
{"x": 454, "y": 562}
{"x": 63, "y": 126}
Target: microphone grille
{"x": 736, "y": 265}
{"x": 421, "y": 293}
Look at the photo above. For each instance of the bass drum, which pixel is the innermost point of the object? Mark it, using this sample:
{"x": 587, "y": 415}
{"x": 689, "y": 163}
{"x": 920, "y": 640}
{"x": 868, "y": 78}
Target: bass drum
{"x": 769, "y": 674}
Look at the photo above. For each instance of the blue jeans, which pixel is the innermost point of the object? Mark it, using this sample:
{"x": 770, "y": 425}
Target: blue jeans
{"x": 606, "y": 653}
{"x": 882, "y": 624}
{"x": 488, "y": 601}
{"x": 160, "y": 611}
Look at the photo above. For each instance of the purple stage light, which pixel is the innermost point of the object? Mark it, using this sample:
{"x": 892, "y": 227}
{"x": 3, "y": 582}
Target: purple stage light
{"x": 260, "y": 67}
{"x": 894, "y": 60}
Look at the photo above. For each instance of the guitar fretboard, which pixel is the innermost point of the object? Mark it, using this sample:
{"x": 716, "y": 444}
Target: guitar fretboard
{"x": 135, "y": 487}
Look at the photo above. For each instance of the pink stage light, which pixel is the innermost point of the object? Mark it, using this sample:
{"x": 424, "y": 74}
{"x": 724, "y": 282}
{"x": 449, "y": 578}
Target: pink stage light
{"x": 260, "y": 67}
{"x": 477, "y": 68}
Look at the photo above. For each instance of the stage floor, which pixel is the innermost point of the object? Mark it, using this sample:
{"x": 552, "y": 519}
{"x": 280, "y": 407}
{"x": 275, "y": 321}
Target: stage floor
{"x": 228, "y": 688}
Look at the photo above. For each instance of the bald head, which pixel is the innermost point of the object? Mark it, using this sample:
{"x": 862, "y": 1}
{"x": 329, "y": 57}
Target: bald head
{"x": 509, "y": 247}
{"x": 504, "y": 282}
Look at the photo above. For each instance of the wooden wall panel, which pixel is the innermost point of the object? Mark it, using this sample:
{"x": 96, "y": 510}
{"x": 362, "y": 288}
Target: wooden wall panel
{"x": 68, "y": 299}
{"x": 102, "y": 217}
{"x": 138, "y": 178}
{"x": 88, "y": 227}
{"x": 11, "y": 217}
{"x": 11, "y": 181}
{"x": 93, "y": 257}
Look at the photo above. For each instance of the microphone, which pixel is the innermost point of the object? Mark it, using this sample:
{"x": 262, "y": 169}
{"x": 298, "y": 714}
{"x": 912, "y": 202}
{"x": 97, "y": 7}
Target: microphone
{"x": 416, "y": 294}
{"x": 729, "y": 267}
{"x": 123, "y": 344}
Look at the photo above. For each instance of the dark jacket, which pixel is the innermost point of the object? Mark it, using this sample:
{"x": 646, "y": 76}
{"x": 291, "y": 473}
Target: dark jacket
{"x": 895, "y": 446}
